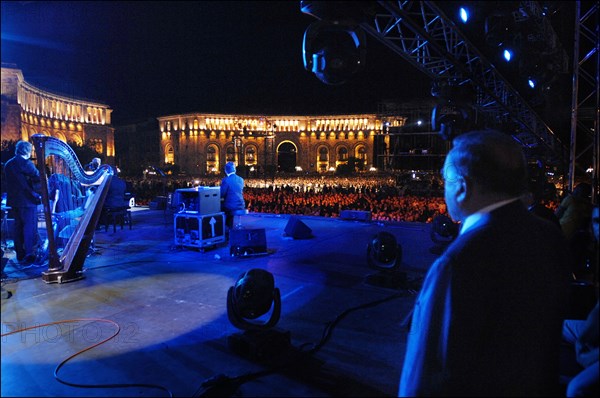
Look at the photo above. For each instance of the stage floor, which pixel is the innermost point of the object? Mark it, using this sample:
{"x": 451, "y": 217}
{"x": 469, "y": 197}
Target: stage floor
{"x": 347, "y": 336}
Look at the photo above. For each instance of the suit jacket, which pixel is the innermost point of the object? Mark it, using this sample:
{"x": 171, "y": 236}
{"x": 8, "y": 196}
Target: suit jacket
{"x": 21, "y": 177}
{"x": 115, "y": 197}
{"x": 232, "y": 188}
{"x": 488, "y": 318}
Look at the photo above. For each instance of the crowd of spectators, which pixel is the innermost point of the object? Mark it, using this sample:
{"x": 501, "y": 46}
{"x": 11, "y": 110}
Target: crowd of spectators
{"x": 389, "y": 198}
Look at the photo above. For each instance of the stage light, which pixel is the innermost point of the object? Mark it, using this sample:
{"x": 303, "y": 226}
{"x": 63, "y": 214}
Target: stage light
{"x": 464, "y": 14}
{"x": 532, "y": 82}
{"x": 443, "y": 232}
{"x": 249, "y": 302}
{"x": 507, "y": 54}
{"x": 454, "y": 114}
{"x": 334, "y": 50}
{"x": 383, "y": 252}
{"x": 385, "y": 255}
{"x": 253, "y": 296}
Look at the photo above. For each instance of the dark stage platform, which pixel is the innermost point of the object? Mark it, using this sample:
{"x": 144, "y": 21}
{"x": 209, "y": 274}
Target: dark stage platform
{"x": 338, "y": 334}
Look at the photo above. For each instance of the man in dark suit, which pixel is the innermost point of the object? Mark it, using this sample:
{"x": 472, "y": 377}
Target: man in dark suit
{"x": 488, "y": 318}
{"x": 232, "y": 193}
{"x": 115, "y": 197}
{"x": 21, "y": 177}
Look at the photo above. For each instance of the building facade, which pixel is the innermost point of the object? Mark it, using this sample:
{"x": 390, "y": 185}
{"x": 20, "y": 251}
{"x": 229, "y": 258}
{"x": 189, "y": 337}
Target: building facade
{"x": 202, "y": 143}
{"x": 29, "y": 110}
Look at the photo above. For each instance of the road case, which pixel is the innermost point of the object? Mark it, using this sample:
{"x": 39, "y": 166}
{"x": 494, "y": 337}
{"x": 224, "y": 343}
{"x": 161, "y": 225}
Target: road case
{"x": 199, "y": 230}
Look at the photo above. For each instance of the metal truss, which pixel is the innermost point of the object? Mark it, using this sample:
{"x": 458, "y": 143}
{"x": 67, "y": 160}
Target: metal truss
{"x": 424, "y": 36}
{"x": 586, "y": 90}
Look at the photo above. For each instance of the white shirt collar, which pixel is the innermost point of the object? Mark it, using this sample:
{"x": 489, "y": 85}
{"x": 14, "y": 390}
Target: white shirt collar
{"x": 228, "y": 174}
{"x": 471, "y": 220}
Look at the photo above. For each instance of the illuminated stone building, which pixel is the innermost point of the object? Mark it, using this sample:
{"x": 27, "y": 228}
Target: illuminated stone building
{"x": 202, "y": 143}
{"x": 29, "y": 110}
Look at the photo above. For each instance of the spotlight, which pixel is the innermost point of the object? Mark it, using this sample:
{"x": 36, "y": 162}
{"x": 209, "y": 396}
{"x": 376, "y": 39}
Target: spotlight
{"x": 253, "y": 296}
{"x": 334, "y": 51}
{"x": 443, "y": 232}
{"x": 385, "y": 255}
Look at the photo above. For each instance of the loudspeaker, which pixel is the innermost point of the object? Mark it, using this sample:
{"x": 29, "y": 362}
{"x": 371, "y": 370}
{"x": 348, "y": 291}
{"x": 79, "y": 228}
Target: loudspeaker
{"x": 355, "y": 215}
{"x": 297, "y": 229}
{"x": 247, "y": 242}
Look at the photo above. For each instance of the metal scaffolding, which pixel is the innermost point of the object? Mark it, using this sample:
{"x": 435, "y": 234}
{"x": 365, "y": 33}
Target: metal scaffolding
{"x": 421, "y": 33}
{"x": 586, "y": 90}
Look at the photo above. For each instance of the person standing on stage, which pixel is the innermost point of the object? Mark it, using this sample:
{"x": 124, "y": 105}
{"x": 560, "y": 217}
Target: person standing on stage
{"x": 232, "y": 193}
{"x": 21, "y": 178}
{"x": 488, "y": 318}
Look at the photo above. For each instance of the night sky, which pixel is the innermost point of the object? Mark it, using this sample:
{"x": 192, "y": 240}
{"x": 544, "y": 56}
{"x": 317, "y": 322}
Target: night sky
{"x": 148, "y": 59}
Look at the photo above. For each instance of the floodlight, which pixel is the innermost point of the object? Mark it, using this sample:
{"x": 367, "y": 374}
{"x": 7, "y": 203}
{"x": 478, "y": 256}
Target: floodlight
{"x": 253, "y": 296}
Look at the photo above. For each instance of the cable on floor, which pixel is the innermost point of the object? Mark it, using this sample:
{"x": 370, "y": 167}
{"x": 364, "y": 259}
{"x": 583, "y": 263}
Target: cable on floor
{"x": 60, "y": 365}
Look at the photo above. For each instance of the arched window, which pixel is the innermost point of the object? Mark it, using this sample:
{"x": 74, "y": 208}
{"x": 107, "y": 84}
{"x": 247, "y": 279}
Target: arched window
{"x": 211, "y": 154}
{"x": 169, "y": 155}
{"x": 323, "y": 154}
{"x": 342, "y": 154}
{"x": 250, "y": 155}
{"x": 361, "y": 152}
{"x": 230, "y": 154}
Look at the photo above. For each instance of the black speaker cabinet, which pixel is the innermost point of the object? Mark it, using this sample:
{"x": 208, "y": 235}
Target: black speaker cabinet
{"x": 247, "y": 242}
{"x": 297, "y": 229}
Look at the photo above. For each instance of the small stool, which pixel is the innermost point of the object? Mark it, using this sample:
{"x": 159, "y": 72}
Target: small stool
{"x": 238, "y": 217}
{"x": 114, "y": 215}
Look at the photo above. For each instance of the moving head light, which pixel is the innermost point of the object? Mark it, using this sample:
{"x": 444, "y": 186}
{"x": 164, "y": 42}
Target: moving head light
{"x": 454, "y": 113}
{"x": 334, "y": 48}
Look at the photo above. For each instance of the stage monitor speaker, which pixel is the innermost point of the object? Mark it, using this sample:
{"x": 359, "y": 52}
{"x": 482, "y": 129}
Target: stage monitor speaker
{"x": 355, "y": 215}
{"x": 247, "y": 242}
{"x": 297, "y": 229}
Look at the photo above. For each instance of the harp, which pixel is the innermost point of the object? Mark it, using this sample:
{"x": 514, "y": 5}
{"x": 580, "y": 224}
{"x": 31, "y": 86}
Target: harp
{"x": 68, "y": 247}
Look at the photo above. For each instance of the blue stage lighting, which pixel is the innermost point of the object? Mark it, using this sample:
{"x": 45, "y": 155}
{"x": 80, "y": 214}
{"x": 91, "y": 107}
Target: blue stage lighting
{"x": 508, "y": 54}
{"x": 464, "y": 14}
{"x": 531, "y": 81}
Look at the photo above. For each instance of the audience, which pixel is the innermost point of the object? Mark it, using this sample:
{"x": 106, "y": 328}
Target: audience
{"x": 389, "y": 198}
